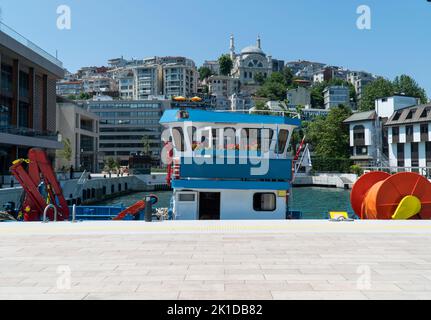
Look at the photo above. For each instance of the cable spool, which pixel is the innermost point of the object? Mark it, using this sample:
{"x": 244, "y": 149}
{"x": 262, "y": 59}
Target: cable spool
{"x": 379, "y": 195}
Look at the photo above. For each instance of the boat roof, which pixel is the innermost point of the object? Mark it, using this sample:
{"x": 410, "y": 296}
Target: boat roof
{"x": 171, "y": 116}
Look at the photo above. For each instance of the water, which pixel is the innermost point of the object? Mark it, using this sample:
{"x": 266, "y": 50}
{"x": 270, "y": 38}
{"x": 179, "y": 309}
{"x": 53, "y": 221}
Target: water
{"x": 314, "y": 203}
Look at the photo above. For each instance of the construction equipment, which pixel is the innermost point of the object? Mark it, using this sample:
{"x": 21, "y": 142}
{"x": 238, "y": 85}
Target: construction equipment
{"x": 402, "y": 196}
{"x": 41, "y": 187}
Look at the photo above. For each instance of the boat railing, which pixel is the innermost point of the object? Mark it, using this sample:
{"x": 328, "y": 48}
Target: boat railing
{"x": 282, "y": 113}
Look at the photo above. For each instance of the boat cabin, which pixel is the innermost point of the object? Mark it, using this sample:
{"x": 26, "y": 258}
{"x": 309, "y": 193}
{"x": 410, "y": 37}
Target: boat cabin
{"x": 228, "y": 165}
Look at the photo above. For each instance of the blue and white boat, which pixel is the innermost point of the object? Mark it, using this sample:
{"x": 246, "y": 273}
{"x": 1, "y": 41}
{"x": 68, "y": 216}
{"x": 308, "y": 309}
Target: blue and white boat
{"x": 229, "y": 165}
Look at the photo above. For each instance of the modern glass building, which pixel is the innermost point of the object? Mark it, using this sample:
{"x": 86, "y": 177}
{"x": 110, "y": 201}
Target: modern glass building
{"x": 27, "y": 99}
{"x": 129, "y": 127}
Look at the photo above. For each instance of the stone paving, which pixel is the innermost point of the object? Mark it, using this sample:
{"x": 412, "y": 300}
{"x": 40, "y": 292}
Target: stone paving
{"x": 216, "y": 260}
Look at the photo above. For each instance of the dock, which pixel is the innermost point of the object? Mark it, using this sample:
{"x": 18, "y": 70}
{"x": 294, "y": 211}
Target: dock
{"x": 220, "y": 260}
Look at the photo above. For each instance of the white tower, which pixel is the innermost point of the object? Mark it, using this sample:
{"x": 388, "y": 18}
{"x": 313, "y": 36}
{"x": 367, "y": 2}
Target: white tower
{"x": 232, "y": 47}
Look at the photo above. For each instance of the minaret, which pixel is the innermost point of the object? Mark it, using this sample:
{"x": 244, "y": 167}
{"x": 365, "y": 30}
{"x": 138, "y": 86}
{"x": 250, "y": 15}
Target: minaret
{"x": 232, "y": 47}
{"x": 258, "y": 44}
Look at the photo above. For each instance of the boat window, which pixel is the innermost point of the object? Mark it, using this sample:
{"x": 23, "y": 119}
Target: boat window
{"x": 191, "y": 132}
{"x": 283, "y": 135}
{"x": 229, "y": 138}
{"x": 264, "y": 202}
{"x": 186, "y": 197}
{"x": 203, "y": 139}
{"x": 252, "y": 139}
{"x": 178, "y": 137}
{"x": 265, "y": 140}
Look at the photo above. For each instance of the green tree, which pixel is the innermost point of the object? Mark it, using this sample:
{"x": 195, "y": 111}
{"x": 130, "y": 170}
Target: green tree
{"x": 407, "y": 85}
{"x": 146, "y": 145}
{"x": 259, "y": 78}
{"x": 329, "y": 136}
{"x": 226, "y": 64}
{"x": 262, "y": 108}
{"x": 84, "y": 96}
{"x": 381, "y": 87}
{"x": 204, "y": 73}
{"x": 274, "y": 88}
{"x": 288, "y": 76}
{"x": 66, "y": 152}
{"x": 111, "y": 165}
{"x": 71, "y": 97}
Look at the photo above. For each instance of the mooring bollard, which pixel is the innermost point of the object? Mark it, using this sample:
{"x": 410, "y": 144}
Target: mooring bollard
{"x": 74, "y": 213}
{"x": 148, "y": 209}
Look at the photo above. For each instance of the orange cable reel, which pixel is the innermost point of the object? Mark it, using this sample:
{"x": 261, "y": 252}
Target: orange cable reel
{"x": 402, "y": 196}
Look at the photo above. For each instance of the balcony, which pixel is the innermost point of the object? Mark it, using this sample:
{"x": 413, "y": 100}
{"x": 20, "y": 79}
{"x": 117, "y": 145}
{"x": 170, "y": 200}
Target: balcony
{"x": 29, "y": 137}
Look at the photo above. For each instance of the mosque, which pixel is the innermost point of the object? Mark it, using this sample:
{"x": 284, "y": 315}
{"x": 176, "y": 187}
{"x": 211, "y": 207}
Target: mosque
{"x": 252, "y": 60}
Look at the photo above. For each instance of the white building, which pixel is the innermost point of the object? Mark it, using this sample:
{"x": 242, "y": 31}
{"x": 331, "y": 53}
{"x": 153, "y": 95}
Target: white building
{"x": 213, "y": 65}
{"x": 180, "y": 77}
{"x": 359, "y": 79}
{"x": 409, "y": 138}
{"x": 369, "y": 136}
{"x": 147, "y": 81}
{"x": 223, "y": 86}
{"x": 241, "y": 101}
{"x": 364, "y": 137}
{"x": 336, "y": 95}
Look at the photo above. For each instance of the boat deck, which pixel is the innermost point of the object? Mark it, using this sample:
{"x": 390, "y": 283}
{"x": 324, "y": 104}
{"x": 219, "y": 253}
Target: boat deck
{"x": 216, "y": 260}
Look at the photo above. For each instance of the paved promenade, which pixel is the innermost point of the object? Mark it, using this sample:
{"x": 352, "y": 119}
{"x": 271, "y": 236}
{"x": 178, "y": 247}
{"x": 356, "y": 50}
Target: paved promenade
{"x": 216, "y": 260}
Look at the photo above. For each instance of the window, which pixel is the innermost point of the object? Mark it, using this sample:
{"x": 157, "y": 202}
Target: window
{"x": 283, "y": 135}
{"x": 410, "y": 114}
{"x": 186, "y": 197}
{"x": 424, "y": 132}
{"x": 428, "y": 153}
{"x": 359, "y": 135}
{"x": 361, "y": 151}
{"x": 415, "y": 154}
{"x": 425, "y": 113}
{"x": 264, "y": 202}
{"x": 178, "y": 138}
{"x": 397, "y": 116}
{"x": 400, "y": 154}
{"x": 395, "y": 134}
{"x": 409, "y": 133}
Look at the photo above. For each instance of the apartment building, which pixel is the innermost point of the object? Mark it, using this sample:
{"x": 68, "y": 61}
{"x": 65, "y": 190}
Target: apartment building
{"x": 67, "y": 88}
{"x": 27, "y": 98}
{"x": 180, "y": 77}
{"x": 336, "y": 95}
{"x": 148, "y": 81}
{"x": 359, "y": 79}
{"x": 223, "y": 86}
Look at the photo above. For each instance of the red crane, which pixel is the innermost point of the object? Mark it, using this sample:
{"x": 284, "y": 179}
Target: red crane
{"x": 39, "y": 170}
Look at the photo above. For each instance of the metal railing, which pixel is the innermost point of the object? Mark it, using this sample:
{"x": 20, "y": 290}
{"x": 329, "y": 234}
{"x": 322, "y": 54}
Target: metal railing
{"x": 50, "y": 206}
{"x": 27, "y": 132}
{"x": 24, "y": 41}
{"x": 424, "y": 171}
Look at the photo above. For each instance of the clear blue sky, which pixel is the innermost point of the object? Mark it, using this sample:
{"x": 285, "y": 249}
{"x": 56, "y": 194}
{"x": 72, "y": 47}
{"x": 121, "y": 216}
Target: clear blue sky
{"x": 399, "y": 41}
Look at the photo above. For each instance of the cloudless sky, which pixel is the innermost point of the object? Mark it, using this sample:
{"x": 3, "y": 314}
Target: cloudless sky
{"x": 325, "y": 31}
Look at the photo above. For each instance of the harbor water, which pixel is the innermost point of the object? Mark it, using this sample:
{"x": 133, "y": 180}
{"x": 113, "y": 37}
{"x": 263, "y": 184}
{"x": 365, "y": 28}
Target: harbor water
{"x": 314, "y": 203}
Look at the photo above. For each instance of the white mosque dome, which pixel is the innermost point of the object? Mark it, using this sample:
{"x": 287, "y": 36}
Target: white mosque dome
{"x": 252, "y": 50}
